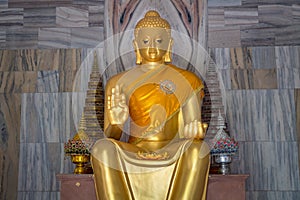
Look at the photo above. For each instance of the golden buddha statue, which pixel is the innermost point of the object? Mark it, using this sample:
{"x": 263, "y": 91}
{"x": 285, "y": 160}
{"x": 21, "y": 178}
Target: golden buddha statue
{"x": 165, "y": 156}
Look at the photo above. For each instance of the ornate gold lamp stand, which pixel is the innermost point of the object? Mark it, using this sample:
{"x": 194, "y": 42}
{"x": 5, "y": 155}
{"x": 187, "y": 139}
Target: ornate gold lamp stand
{"x": 80, "y": 161}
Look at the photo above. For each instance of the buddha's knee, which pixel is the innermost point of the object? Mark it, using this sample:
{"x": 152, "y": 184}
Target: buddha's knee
{"x": 199, "y": 147}
{"x": 103, "y": 148}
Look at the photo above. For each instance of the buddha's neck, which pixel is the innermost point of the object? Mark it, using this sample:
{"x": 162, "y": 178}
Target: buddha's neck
{"x": 146, "y": 66}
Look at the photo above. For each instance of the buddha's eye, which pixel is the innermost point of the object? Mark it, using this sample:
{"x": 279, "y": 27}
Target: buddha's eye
{"x": 158, "y": 41}
{"x": 145, "y": 41}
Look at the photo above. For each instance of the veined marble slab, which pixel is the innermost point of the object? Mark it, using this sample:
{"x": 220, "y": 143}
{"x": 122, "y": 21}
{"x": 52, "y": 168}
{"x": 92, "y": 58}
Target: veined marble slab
{"x": 254, "y": 79}
{"x": 219, "y": 3}
{"x": 96, "y": 15}
{"x": 258, "y": 35}
{"x": 71, "y": 17}
{"x": 241, "y": 58}
{"x": 240, "y": 16}
{"x": 54, "y": 38}
{"x": 2, "y": 37}
{"x": 18, "y": 82}
{"x": 276, "y": 15}
{"x": 288, "y": 78}
{"x": 288, "y": 35}
{"x": 273, "y": 166}
{"x": 224, "y": 37}
{"x": 296, "y": 13}
{"x": 47, "y": 81}
{"x": 86, "y": 37}
{"x": 225, "y": 79}
{"x": 11, "y": 17}
{"x": 287, "y": 56}
{"x": 22, "y": 38}
{"x": 10, "y": 109}
{"x": 3, "y": 4}
{"x": 39, "y": 163}
{"x": 40, "y": 17}
{"x": 38, "y": 3}
{"x": 88, "y": 2}
{"x": 216, "y": 17}
{"x": 221, "y": 57}
{"x": 46, "y": 117}
{"x": 271, "y": 195}
{"x": 38, "y": 195}
{"x": 261, "y": 115}
{"x": 263, "y": 57}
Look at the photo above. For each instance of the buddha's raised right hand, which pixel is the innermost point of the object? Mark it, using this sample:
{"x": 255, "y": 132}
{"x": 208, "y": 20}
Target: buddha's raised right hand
{"x": 118, "y": 111}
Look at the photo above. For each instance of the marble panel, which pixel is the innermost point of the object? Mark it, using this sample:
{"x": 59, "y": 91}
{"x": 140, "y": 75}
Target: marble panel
{"x": 287, "y": 56}
{"x": 263, "y": 57}
{"x": 288, "y": 78}
{"x": 258, "y": 35}
{"x": 10, "y": 109}
{"x": 86, "y": 37}
{"x": 240, "y": 16}
{"x": 219, "y": 3}
{"x": 265, "y": 79}
{"x": 296, "y": 13}
{"x": 271, "y": 165}
{"x": 11, "y": 17}
{"x": 272, "y": 195}
{"x": 40, "y": 17}
{"x": 261, "y": 115}
{"x": 242, "y": 79}
{"x": 21, "y": 38}
{"x": 2, "y": 37}
{"x": 88, "y": 2}
{"x": 29, "y": 59}
{"x": 287, "y": 2}
{"x": 47, "y": 81}
{"x": 225, "y": 79}
{"x": 288, "y": 35}
{"x": 216, "y": 17}
{"x": 221, "y": 57}
{"x": 24, "y": 60}
{"x": 241, "y": 58}
{"x": 17, "y": 82}
{"x": 3, "y": 4}
{"x": 276, "y": 15}
{"x": 224, "y": 37}
{"x": 39, "y": 164}
{"x": 46, "y": 117}
{"x": 38, "y": 3}
{"x": 70, "y": 62}
{"x": 54, "y": 38}
{"x": 297, "y": 104}
{"x": 72, "y": 17}
{"x": 7, "y": 60}
{"x": 96, "y": 16}
{"x": 38, "y": 195}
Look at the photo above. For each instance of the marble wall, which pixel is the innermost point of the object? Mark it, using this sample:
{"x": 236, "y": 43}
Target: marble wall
{"x": 255, "y": 44}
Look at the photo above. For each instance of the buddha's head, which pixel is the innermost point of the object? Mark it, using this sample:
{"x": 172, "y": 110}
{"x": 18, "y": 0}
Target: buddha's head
{"x": 153, "y": 40}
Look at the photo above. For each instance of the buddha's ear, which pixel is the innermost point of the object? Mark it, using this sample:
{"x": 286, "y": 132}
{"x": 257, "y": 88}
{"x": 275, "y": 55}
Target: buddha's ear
{"x": 137, "y": 52}
{"x": 167, "y": 57}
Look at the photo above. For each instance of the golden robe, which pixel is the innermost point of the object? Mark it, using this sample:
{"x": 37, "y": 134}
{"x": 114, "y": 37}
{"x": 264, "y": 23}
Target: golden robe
{"x": 156, "y": 100}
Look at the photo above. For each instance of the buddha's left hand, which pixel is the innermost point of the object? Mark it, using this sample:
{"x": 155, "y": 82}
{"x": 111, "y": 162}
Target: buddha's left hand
{"x": 195, "y": 130}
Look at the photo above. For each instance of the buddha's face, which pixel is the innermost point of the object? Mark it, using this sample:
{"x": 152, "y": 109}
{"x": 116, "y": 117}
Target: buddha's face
{"x": 153, "y": 44}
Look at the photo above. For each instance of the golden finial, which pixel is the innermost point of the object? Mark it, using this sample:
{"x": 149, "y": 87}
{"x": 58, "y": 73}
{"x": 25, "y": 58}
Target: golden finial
{"x": 152, "y": 19}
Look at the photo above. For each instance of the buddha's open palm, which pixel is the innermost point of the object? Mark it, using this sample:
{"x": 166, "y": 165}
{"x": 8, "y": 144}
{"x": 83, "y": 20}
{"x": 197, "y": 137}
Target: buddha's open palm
{"x": 117, "y": 109}
{"x": 195, "y": 130}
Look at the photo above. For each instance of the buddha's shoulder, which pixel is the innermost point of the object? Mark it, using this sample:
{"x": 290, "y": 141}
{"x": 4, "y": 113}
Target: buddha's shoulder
{"x": 186, "y": 73}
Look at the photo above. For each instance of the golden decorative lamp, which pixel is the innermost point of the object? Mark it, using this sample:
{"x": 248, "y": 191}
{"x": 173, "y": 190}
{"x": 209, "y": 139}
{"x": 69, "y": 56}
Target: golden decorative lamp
{"x": 80, "y": 161}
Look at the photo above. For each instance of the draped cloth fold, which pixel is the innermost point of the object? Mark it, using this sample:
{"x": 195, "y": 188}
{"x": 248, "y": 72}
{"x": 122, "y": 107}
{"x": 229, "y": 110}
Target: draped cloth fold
{"x": 183, "y": 176}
